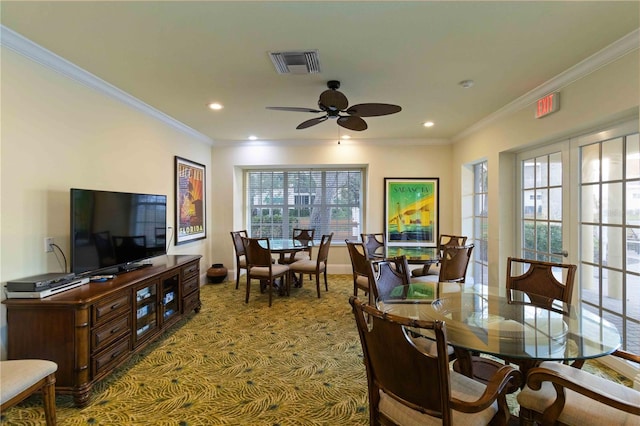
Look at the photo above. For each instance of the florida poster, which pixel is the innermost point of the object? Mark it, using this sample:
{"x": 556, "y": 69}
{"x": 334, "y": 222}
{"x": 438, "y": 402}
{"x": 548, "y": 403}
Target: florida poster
{"x": 190, "y": 201}
{"x": 411, "y": 211}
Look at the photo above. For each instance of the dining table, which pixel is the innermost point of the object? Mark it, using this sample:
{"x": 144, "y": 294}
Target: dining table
{"x": 508, "y": 325}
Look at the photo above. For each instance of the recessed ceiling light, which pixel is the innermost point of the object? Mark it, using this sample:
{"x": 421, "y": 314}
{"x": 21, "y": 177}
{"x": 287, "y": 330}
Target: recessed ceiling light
{"x": 466, "y": 84}
{"x": 253, "y": 138}
{"x": 346, "y": 137}
{"x": 428, "y": 124}
{"x": 215, "y": 106}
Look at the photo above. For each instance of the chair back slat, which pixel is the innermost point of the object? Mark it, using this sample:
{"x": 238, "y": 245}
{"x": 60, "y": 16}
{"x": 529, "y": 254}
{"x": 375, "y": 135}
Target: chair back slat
{"x": 454, "y": 262}
{"x": 323, "y": 251}
{"x": 237, "y": 236}
{"x": 258, "y": 252}
{"x": 538, "y": 278}
{"x": 372, "y": 244}
{"x": 385, "y": 279}
{"x": 303, "y": 236}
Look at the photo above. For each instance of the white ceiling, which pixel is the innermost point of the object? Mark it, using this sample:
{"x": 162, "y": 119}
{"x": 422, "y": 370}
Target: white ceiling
{"x": 179, "y": 56}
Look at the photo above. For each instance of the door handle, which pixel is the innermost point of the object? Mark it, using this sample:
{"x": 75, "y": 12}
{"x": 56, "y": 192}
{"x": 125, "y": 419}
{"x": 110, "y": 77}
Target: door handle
{"x": 564, "y": 253}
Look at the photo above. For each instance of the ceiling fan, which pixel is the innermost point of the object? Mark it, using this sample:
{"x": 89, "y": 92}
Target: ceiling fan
{"x": 333, "y": 103}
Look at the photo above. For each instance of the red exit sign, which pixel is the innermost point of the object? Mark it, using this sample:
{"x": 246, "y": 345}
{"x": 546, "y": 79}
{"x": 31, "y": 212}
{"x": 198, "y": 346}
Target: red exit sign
{"x": 547, "y": 104}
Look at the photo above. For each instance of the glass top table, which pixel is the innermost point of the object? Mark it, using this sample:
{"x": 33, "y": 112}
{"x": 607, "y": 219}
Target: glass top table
{"x": 509, "y": 326}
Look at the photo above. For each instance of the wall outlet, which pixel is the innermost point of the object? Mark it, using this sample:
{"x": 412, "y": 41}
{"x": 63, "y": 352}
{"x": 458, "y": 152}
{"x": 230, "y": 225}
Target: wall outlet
{"x": 47, "y": 244}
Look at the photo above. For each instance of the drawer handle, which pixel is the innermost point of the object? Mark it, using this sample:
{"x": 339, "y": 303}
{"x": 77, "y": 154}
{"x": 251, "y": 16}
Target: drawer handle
{"x": 115, "y": 330}
{"x": 114, "y": 306}
{"x": 115, "y": 355}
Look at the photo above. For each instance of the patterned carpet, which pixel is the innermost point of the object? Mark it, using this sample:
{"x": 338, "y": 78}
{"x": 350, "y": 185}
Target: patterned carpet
{"x": 296, "y": 363}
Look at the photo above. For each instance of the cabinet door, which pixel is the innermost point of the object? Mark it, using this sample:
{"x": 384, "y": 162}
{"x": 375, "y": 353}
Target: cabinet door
{"x": 146, "y": 310}
{"x": 170, "y": 297}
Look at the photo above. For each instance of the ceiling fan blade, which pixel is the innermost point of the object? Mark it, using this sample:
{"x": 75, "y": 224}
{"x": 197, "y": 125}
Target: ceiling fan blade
{"x": 373, "y": 110}
{"x": 352, "y": 123}
{"x": 311, "y": 122}
{"x": 296, "y": 109}
{"x": 333, "y": 100}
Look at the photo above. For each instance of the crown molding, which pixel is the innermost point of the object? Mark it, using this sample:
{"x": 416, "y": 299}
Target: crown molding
{"x": 614, "y": 51}
{"x": 37, "y": 53}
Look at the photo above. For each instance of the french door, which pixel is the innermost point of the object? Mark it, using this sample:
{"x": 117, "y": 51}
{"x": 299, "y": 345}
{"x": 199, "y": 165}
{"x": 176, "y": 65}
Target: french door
{"x": 580, "y": 203}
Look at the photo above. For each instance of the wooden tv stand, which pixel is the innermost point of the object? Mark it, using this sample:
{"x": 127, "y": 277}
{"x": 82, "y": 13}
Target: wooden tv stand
{"x": 91, "y": 330}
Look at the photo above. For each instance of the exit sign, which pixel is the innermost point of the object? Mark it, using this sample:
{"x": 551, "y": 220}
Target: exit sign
{"x": 547, "y": 104}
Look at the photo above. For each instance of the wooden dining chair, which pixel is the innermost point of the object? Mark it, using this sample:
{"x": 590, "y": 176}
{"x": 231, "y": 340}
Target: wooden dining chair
{"x": 445, "y": 240}
{"x": 373, "y": 243}
{"x": 315, "y": 267}
{"x": 543, "y": 282}
{"x": 238, "y": 246}
{"x": 260, "y": 266}
{"x": 556, "y": 393}
{"x": 359, "y": 266}
{"x": 408, "y": 386}
{"x": 454, "y": 263}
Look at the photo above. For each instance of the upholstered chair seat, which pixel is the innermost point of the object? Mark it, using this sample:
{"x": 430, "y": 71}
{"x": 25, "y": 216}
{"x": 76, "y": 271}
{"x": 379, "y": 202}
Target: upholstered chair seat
{"x": 21, "y": 378}
{"x": 589, "y": 399}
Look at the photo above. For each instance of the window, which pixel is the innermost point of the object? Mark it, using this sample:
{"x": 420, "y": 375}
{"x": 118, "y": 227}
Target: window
{"x": 480, "y": 262}
{"x": 328, "y": 200}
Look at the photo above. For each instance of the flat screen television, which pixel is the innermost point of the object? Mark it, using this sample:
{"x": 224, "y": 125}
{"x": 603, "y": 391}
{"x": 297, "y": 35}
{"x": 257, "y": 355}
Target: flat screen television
{"x": 113, "y": 232}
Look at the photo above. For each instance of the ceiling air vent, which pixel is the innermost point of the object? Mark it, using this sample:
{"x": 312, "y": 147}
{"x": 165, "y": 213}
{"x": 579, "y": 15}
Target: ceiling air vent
{"x": 302, "y": 62}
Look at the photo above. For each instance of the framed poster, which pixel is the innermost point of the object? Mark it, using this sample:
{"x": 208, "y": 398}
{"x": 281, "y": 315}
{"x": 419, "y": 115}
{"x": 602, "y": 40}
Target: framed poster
{"x": 411, "y": 207}
{"x": 190, "y": 201}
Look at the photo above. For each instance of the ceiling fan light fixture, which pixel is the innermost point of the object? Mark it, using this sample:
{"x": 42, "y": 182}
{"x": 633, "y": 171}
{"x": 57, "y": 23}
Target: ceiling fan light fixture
{"x": 428, "y": 124}
{"x": 297, "y": 62}
{"x": 215, "y": 106}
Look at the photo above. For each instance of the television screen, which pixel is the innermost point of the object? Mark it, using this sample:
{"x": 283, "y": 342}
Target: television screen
{"x": 112, "y": 230}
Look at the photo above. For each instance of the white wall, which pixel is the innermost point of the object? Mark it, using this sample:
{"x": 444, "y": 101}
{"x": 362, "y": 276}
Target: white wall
{"x": 57, "y": 134}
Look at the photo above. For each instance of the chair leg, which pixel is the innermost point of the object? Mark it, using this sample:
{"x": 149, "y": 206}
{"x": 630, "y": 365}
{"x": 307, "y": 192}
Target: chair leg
{"x": 318, "y": 284}
{"x": 237, "y": 278}
{"x": 270, "y": 283}
{"x": 49, "y": 399}
{"x": 326, "y": 286}
{"x": 246, "y": 299}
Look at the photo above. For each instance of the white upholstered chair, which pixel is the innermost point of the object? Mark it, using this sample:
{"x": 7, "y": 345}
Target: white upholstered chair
{"x": 19, "y": 379}
{"x": 557, "y": 393}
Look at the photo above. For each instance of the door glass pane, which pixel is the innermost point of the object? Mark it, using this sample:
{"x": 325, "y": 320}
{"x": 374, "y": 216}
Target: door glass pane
{"x": 542, "y": 171}
{"x": 529, "y": 204}
{"x": 633, "y": 250}
{"x": 555, "y": 169}
{"x": 555, "y": 204}
{"x": 590, "y": 198}
{"x": 612, "y": 159}
{"x": 612, "y": 203}
{"x": 590, "y": 163}
{"x": 633, "y": 156}
{"x": 528, "y": 174}
{"x": 542, "y": 237}
{"x": 529, "y": 235}
{"x": 590, "y": 243}
{"x": 612, "y": 246}
{"x": 542, "y": 204}
{"x": 612, "y": 290}
{"x": 633, "y": 203}
{"x": 633, "y": 299}
{"x": 555, "y": 230}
